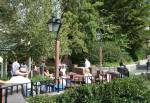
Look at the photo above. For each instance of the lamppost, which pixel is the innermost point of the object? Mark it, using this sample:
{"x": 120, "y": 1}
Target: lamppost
{"x": 54, "y": 25}
{"x": 99, "y": 37}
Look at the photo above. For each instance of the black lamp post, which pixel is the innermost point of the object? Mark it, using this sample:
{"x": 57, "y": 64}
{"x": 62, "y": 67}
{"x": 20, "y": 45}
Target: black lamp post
{"x": 99, "y": 37}
{"x": 54, "y": 25}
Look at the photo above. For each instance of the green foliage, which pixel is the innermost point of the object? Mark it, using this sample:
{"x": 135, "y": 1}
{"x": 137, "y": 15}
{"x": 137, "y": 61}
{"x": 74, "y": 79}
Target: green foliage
{"x": 132, "y": 17}
{"x": 127, "y": 90}
{"x": 94, "y": 52}
{"x": 8, "y": 17}
{"x": 113, "y": 53}
{"x": 40, "y": 78}
{"x": 5, "y": 77}
{"x": 42, "y": 99}
{"x": 122, "y": 23}
{"x": 30, "y": 26}
{"x": 141, "y": 53}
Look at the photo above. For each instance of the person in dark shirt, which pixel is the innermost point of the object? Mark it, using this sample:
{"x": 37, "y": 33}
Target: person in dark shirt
{"x": 122, "y": 69}
{"x": 42, "y": 66}
{"x": 148, "y": 64}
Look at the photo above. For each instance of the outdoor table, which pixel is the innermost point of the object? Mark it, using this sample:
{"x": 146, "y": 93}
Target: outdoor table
{"x": 79, "y": 70}
{"x": 105, "y": 75}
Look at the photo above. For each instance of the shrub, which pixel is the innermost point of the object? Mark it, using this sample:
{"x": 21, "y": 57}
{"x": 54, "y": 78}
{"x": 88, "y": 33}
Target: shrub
{"x": 41, "y": 78}
{"x": 5, "y": 77}
{"x": 113, "y": 53}
{"x": 128, "y": 90}
{"x": 140, "y": 53}
{"x": 42, "y": 99}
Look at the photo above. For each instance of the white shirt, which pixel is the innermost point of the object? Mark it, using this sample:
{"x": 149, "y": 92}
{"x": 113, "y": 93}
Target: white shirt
{"x": 87, "y": 64}
{"x": 88, "y": 78}
{"x": 15, "y": 67}
{"x": 63, "y": 70}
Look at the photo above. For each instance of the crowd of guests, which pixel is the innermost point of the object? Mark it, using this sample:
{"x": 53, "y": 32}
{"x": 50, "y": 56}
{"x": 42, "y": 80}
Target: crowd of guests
{"x": 20, "y": 73}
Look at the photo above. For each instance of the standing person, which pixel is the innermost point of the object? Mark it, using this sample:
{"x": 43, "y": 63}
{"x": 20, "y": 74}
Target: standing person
{"x": 148, "y": 64}
{"x": 87, "y": 64}
{"x": 42, "y": 66}
{"x": 63, "y": 69}
{"x": 16, "y": 69}
{"x": 20, "y": 77}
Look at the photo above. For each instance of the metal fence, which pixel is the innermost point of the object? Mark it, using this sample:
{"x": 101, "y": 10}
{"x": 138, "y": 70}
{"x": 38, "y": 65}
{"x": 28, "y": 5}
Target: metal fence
{"x": 39, "y": 87}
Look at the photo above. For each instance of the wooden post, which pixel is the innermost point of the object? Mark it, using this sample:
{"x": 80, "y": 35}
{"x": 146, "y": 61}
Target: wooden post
{"x": 30, "y": 63}
{"x": 57, "y": 61}
{"x": 101, "y": 56}
{"x": 5, "y": 67}
{"x": 2, "y": 69}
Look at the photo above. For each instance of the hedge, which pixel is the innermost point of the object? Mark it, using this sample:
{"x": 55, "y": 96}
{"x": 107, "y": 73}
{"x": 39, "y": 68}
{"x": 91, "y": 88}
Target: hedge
{"x": 127, "y": 90}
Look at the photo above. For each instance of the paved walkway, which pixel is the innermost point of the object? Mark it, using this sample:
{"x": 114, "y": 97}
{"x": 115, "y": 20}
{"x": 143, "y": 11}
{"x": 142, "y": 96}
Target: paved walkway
{"x": 140, "y": 69}
{"x": 135, "y": 69}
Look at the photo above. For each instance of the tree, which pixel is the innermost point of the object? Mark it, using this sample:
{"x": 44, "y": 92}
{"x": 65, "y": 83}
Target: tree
{"x": 31, "y": 32}
{"x": 79, "y": 27}
{"x": 131, "y": 16}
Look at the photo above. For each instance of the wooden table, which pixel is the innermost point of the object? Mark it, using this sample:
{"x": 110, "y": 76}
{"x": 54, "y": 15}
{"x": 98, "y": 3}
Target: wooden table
{"x": 79, "y": 70}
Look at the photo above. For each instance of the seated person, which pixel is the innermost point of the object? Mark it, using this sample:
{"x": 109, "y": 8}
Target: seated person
{"x": 36, "y": 69}
{"x": 47, "y": 74}
{"x": 101, "y": 75}
{"x": 123, "y": 70}
{"x": 87, "y": 76}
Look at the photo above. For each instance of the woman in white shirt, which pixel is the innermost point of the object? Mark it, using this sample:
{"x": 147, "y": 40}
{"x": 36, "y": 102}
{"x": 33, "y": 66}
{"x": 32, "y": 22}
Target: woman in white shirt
{"x": 87, "y": 63}
{"x": 87, "y": 76}
{"x": 63, "y": 69}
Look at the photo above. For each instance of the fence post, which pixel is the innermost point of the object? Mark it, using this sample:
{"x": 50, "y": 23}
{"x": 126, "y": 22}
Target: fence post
{"x": 31, "y": 88}
{"x": 6, "y": 94}
{"x": 58, "y": 86}
{"x": 62, "y": 83}
{"x": 1, "y": 94}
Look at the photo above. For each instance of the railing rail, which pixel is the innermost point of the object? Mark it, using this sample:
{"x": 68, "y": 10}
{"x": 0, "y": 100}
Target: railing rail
{"x": 1, "y": 98}
{"x": 35, "y": 88}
